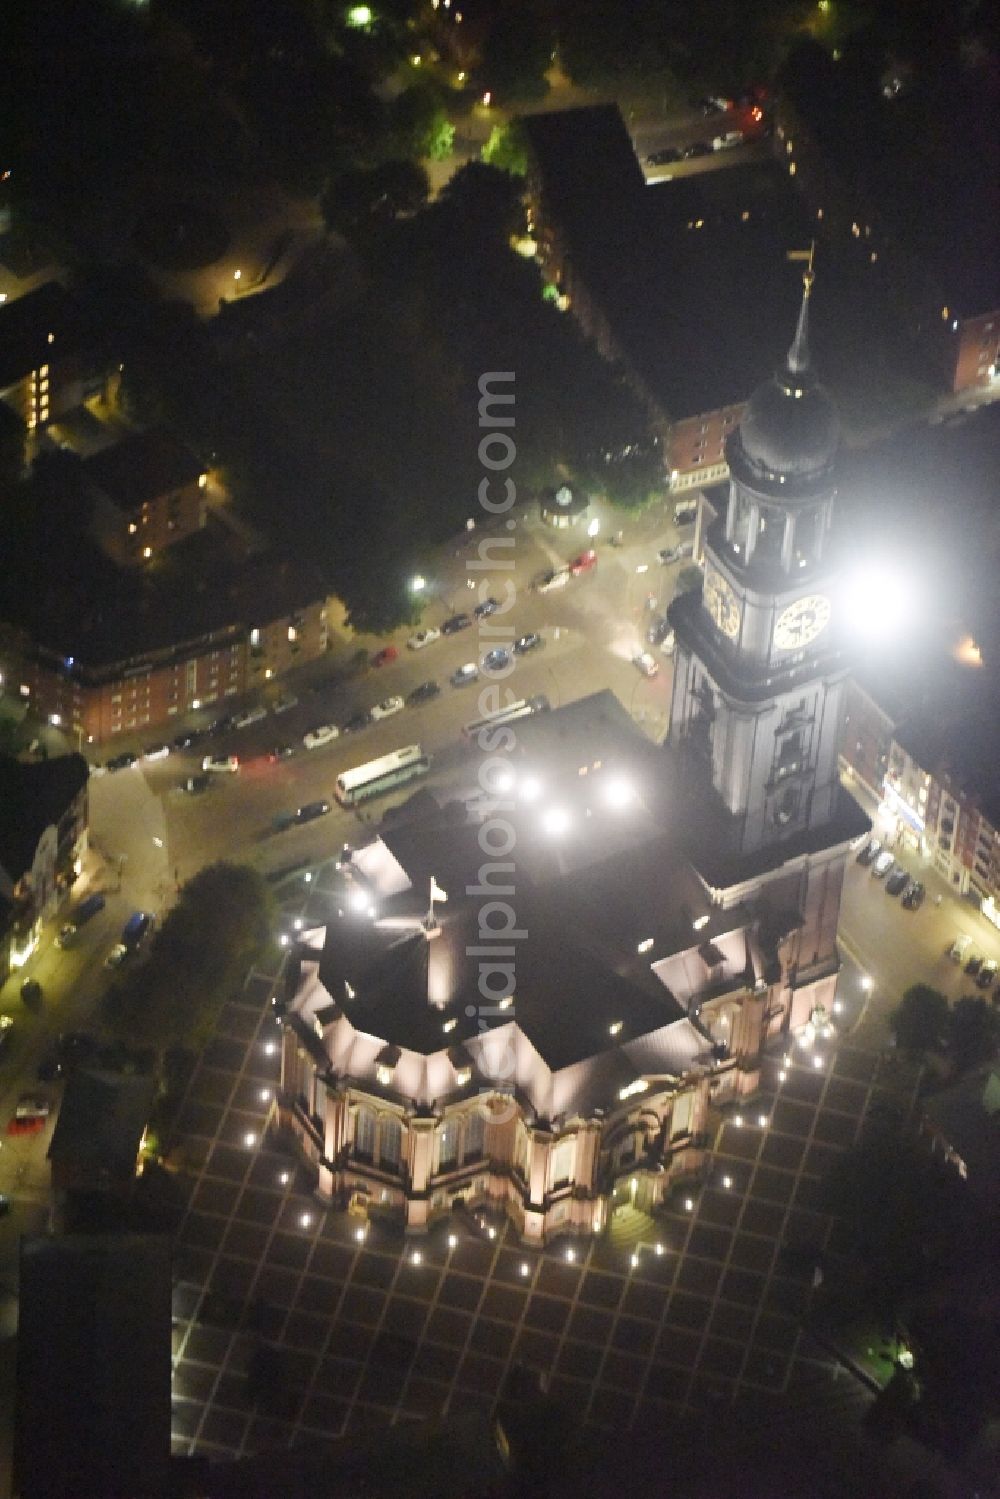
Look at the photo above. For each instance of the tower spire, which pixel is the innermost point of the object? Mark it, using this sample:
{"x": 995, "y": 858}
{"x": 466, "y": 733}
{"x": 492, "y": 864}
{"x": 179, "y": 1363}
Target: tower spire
{"x": 798, "y": 354}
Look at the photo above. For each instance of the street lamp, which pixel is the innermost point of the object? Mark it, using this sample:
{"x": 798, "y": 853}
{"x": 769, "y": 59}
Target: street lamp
{"x": 418, "y": 583}
{"x": 593, "y": 528}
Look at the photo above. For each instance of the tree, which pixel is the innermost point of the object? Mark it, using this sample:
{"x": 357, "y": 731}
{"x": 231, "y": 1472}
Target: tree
{"x": 365, "y": 197}
{"x": 973, "y": 1032}
{"x": 419, "y": 125}
{"x": 516, "y": 55}
{"x": 220, "y": 925}
{"x": 507, "y": 149}
{"x": 920, "y": 1020}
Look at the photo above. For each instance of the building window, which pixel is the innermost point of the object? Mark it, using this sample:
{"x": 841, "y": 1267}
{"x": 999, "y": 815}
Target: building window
{"x": 562, "y": 1162}
{"x": 448, "y": 1158}
{"x": 364, "y": 1134}
{"x": 475, "y": 1136}
{"x": 390, "y": 1134}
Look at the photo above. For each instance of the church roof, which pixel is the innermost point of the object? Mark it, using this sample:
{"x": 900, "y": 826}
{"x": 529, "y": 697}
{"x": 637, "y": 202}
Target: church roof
{"x": 790, "y": 430}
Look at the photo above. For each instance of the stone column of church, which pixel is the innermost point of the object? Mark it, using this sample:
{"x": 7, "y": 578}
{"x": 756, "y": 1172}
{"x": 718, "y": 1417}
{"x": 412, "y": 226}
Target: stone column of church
{"x": 336, "y": 1134}
{"x": 420, "y": 1164}
{"x": 537, "y": 1174}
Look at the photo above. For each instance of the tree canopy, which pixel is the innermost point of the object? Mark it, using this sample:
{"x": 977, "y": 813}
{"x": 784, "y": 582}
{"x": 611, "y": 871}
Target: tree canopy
{"x": 920, "y": 1020}
{"x": 220, "y": 924}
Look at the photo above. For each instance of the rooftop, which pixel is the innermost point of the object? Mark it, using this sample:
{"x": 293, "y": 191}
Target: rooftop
{"x": 42, "y": 326}
{"x": 141, "y": 468}
{"x": 33, "y": 797}
{"x": 93, "y": 1367}
{"x": 690, "y": 273}
{"x": 101, "y": 1122}
{"x": 75, "y": 603}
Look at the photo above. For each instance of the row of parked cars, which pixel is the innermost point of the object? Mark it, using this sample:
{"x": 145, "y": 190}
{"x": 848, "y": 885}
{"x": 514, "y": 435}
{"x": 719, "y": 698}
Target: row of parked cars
{"x": 493, "y": 662}
{"x": 898, "y": 881}
{"x": 983, "y": 970}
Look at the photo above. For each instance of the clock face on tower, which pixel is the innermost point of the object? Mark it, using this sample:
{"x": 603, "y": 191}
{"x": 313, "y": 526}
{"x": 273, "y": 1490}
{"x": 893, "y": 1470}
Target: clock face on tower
{"x": 721, "y": 603}
{"x": 801, "y": 622}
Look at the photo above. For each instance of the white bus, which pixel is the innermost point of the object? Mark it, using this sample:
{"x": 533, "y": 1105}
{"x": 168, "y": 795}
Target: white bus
{"x": 521, "y": 709}
{"x": 380, "y": 776}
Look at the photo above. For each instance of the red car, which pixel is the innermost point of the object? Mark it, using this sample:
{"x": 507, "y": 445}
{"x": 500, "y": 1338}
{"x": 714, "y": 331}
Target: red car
{"x": 583, "y": 563}
{"x": 385, "y": 655}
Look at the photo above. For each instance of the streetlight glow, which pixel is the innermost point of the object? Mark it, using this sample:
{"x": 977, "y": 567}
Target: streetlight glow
{"x": 556, "y": 821}
{"x": 530, "y": 789}
{"x": 618, "y": 792}
{"x": 418, "y": 583}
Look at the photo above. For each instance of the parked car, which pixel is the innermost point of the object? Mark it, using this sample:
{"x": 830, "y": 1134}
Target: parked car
{"x": 455, "y": 623}
{"x": 32, "y": 1106}
{"x": 897, "y": 881}
{"x": 194, "y": 785}
{"x": 421, "y": 638}
{"x": 527, "y": 643}
{"x": 583, "y": 563}
{"x": 645, "y": 663}
{"x": 552, "y": 579}
{"x": 188, "y": 737}
{"x": 685, "y": 512}
{"x": 156, "y": 752}
{"x": 85, "y": 911}
{"x": 220, "y": 725}
{"x": 320, "y": 734}
{"x": 496, "y": 660}
{"x": 311, "y": 811}
{"x": 663, "y": 157}
{"x": 486, "y": 607}
{"x": 137, "y": 929}
{"x": 31, "y": 991}
{"x": 883, "y": 864}
{"x": 122, "y": 761}
{"x": 973, "y": 964}
{"x": 387, "y": 707}
{"x": 249, "y": 716}
{"x": 465, "y": 674}
{"x": 714, "y": 104}
{"x": 423, "y": 693}
{"x": 697, "y": 148}
{"x": 226, "y": 765}
{"x": 384, "y": 656}
{"x": 285, "y": 704}
{"x": 868, "y": 851}
{"x": 727, "y": 140}
{"x": 6, "y": 1031}
{"x": 357, "y": 721}
{"x": 116, "y": 956}
{"x": 913, "y": 895}
{"x": 986, "y": 974}
{"x": 669, "y": 555}
{"x": 960, "y": 947}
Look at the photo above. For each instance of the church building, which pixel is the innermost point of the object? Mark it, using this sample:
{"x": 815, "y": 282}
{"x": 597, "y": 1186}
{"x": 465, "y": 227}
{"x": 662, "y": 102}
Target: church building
{"x": 542, "y": 1013}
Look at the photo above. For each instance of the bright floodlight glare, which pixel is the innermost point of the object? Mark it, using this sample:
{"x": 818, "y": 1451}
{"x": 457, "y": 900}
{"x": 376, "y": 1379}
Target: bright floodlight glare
{"x": 618, "y": 792}
{"x": 530, "y": 789}
{"x": 358, "y": 900}
{"x": 504, "y": 781}
{"x": 594, "y": 527}
{"x": 555, "y": 821}
{"x": 418, "y": 583}
{"x": 359, "y": 16}
{"x": 877, "y": 601}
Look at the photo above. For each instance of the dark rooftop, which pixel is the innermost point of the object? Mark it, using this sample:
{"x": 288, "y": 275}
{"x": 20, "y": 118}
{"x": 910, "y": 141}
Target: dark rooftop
{"x": 142, "y": 467}
{"x": 93, "y": 1368}
{"x": 101, "y": 1122}
{"x": 32, "y": 798}
{"x": 25, "y": 326}
{"x": 691, "y": 273}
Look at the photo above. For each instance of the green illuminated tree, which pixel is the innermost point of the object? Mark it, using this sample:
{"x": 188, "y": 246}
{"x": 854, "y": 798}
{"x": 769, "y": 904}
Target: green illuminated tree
{"x": 507, "y": 149}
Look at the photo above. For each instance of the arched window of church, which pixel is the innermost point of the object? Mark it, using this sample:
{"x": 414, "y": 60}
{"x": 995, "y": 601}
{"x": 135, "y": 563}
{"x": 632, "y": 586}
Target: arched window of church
{"x": 390, "y": 1135}
{"x": 770, "y": 535}
{"x": 364, "y": 1133}
{"x": 475, "y": 1136}
{"x": 563, "y": 1157}
{"x": 448, "y": 1157}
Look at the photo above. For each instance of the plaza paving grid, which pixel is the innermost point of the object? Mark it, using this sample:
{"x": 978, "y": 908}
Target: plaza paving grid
{"x": 697, "y": 1316}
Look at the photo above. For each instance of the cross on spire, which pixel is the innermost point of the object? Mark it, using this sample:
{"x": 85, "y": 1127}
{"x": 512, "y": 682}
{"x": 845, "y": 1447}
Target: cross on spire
{"x": 798, "y": 354}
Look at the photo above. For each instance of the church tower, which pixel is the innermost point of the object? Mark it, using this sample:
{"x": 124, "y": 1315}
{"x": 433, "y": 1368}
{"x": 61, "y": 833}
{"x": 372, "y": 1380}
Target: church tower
{"x": 760, "y": 668}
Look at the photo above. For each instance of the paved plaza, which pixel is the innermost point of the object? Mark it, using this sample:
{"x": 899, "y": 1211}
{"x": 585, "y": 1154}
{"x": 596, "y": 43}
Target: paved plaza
{"x": 684, "y": 1314}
